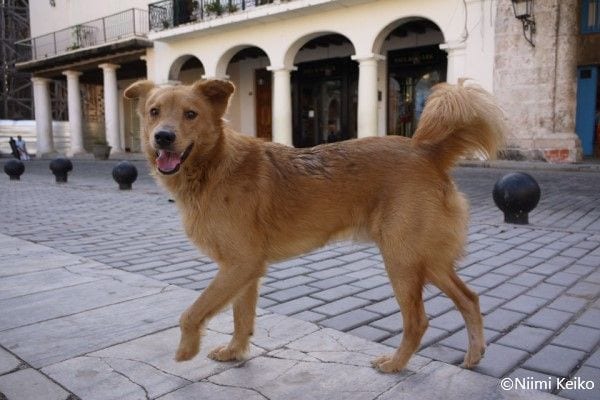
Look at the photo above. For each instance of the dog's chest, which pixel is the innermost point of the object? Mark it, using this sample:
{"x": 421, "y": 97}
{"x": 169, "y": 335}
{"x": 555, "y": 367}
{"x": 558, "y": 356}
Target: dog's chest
{"x": 211, "y": 225}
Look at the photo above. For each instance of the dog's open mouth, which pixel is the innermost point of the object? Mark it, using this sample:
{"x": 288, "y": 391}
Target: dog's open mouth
{"x": 169, "y": 162}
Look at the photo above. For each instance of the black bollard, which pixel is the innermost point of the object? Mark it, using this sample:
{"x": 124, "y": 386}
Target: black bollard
{"x": 14, "y": 169}
{"x": 516, "y": 194}
{"x": 124, "y": 173}
{"x": 60, "y": 167}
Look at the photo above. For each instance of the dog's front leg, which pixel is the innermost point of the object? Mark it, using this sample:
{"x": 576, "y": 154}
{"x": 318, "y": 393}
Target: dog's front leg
{"x": 244, "y": 312}
{"x": 225, "y": 286}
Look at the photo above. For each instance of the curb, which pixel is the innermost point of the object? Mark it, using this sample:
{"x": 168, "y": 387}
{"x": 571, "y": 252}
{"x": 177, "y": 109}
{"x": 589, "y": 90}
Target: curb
{"x": 530, "y": 165}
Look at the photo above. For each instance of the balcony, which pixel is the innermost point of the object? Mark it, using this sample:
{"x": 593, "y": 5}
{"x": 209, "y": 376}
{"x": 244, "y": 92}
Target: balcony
{"x": 168, "y": 14}
{"x": 124, "y": 26}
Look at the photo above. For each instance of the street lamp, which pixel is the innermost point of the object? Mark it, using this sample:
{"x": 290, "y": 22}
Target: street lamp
{"x": 523, "y": 10}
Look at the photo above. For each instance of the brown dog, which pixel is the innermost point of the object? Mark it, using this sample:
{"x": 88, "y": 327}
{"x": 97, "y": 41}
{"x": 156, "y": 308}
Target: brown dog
{"x": 247, "y": 203}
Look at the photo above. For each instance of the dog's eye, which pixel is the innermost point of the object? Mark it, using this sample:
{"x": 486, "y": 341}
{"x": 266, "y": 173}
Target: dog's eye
{"x": 154, "y": 112}
{"x": 190, "y": 114}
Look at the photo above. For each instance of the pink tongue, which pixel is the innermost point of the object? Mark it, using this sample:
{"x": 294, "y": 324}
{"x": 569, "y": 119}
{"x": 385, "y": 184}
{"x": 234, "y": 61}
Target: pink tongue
{"x": 167, "y": 161}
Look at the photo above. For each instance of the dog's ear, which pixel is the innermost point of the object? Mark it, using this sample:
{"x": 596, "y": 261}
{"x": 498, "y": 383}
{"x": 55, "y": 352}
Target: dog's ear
{"x": 217, "y": 92}
{"x": 138, "y": 89}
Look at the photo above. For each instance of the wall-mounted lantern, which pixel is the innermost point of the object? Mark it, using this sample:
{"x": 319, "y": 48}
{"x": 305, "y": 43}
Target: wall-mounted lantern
{"x": 524, "y": 11}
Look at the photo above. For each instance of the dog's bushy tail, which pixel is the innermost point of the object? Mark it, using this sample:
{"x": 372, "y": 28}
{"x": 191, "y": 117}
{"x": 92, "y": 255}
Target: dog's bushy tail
{"x": 459, "y": 120}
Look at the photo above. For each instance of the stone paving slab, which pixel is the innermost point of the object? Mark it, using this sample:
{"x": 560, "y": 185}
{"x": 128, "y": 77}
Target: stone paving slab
{"x": 59, "y": 339}
{"x": 8, "y": 362}
{"x": 48, "y": 305}
{"x": 29, "y": 384}
{"x": 458, "y": 384}
{"x": 123, "y": 349}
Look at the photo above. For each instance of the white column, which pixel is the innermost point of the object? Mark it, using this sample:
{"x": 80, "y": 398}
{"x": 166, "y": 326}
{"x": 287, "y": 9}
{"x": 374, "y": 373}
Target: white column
{"x": 367, "y": 94}
{"x": 43, "y": 116}
{"x": 122, "y": 133}
{"x": 75, "y": 115}
{"x": 282, "y": 106}
{"x": 111, "y": 107}
{"x": 456, "y": 60}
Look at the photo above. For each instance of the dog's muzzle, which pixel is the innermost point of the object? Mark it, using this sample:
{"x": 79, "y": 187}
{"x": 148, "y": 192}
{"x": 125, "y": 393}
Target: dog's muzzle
{"x": 168, "y": 162}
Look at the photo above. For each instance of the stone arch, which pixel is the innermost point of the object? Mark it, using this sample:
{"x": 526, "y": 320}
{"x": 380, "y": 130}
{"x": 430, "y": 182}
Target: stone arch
{"x": 183, "y": 63}
{"x": 385, "y": 32}
{"x": 225, "y": 59}
{"x": 293, "y": 49}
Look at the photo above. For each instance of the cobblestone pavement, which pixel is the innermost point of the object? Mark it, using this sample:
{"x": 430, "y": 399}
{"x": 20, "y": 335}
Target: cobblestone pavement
{"x": 539, "y": 284}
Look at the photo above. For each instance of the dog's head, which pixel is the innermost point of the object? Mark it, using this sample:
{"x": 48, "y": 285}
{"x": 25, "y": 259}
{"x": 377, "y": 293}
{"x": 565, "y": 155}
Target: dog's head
{"x": 178, "y": 121}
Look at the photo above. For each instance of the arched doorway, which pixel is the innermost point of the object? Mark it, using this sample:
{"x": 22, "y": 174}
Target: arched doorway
{"x": 186, "y": 69}
{"x": 250, "y": 109}
{"x": 324, "y": 91}
{"x": 415, "y": 63}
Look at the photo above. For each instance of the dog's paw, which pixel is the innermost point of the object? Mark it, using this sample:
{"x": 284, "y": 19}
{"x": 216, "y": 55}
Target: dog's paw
{"x": 226, "y": 353}
{"x": 387, "y": 364}
{"x": 473, "y": 357}
{"x": 187, "y": 349}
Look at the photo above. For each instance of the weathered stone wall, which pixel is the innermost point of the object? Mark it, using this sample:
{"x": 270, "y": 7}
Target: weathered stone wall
{"x": 537, "y": 86}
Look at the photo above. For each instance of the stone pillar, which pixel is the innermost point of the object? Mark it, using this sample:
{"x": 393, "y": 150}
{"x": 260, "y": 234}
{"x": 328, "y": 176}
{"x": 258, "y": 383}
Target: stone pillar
{"x": 111, "y": 107}
{"x": 367, "y": 94}
{"x": 282, "y": 106}
{"x": 456, "y": 60}
{"x": 123, "y": 137}
{"x": 43, "y": 116}
{"x": 75, "y": 114}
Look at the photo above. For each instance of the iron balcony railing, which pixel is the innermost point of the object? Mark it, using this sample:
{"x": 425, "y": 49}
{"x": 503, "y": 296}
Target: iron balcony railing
{"x": 123, "y": 25}
{"x": 166, "y": 14}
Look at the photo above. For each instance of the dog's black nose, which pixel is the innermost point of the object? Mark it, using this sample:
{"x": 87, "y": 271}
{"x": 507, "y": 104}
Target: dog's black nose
{"x": 164, "y": 138}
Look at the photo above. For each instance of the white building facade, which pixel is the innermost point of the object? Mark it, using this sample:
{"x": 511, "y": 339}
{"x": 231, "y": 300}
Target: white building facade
{"x": 92, "y": 50}
{"x": 333, "y": 68}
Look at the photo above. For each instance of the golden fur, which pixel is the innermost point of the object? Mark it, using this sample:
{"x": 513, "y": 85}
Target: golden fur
{"x": 247, "y": 203}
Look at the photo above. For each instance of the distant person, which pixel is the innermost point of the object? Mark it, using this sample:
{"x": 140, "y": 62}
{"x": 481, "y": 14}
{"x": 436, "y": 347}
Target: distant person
{"x": 22, "y": 148}
{"x": 13, "y": 148}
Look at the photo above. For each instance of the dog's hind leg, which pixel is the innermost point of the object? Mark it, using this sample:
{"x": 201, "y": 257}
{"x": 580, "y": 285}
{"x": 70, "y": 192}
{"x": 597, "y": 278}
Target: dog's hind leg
{"x": 467, "y": 303}
{"x": 244, "y": 312}
{"x": 228, "y": 283}
{"x": 408, "y": 288}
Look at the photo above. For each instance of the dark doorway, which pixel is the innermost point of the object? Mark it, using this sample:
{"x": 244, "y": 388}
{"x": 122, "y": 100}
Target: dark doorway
{"x": 263, "y": 104}
{"x": 411, "y": 75}
{"x": 324, "y": 101}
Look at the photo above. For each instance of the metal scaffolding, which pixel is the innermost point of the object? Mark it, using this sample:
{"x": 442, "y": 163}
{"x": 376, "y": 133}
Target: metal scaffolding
{"x": 15, "y": 87}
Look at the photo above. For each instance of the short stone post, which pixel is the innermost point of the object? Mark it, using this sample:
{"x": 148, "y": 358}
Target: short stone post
{"x": 14, "y": 169}
{"x": 60, "y": 167}
{"x": 124, "y": 173}
{"x": 516, "y": 194}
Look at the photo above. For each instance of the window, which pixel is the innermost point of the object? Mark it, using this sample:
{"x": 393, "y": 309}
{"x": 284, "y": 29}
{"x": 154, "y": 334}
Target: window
{"x": 590, "y": 16}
